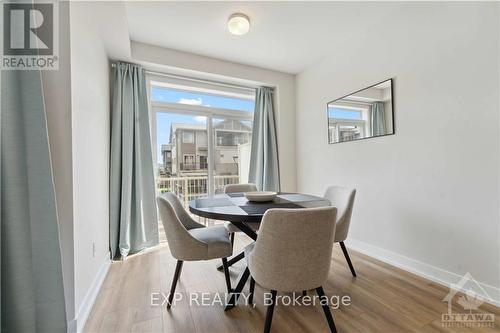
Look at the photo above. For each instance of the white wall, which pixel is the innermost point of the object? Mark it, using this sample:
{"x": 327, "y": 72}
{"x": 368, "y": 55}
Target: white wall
{"x": 98, "y": 31}
{"x": 91, "y": 133}
{"x": 196, "y": 65}
{"x": 427, "y": 197}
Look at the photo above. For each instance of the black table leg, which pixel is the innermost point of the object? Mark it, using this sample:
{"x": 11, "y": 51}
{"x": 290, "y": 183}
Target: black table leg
{"x": 242, "y": 280}
{"x": 246, "y": 229}
{"x": 233, "y": 260}
{"x": 250, "y": 233}
{"x": 235, "y": 294}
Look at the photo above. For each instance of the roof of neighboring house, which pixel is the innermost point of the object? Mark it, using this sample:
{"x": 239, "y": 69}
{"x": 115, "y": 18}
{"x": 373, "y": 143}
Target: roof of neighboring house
{"x": 176, "y": 126}
{"x": 166, "y": 147}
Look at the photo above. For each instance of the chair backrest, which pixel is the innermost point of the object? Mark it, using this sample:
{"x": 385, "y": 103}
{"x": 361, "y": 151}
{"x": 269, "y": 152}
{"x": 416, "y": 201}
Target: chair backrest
{"x": 176, "y": 223}
{"x": 235, "y": 188}
{"x": 343, "y": 199}
{"x": 294, "y": 248}
{"x": 181, "y": 213}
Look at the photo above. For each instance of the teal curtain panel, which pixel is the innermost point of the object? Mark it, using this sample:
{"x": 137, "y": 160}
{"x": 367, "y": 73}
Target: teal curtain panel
{"x": 378, "y": 119}
{"x": 264, "y": 167}
{"x": 133, "y": 217}
{"x": 32, "y": 290}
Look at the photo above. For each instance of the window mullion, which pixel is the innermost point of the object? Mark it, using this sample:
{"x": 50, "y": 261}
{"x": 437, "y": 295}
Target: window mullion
{"x": 211, "y": 149}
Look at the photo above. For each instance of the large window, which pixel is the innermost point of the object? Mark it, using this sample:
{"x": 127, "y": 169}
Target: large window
{"x": 201, "y": 135}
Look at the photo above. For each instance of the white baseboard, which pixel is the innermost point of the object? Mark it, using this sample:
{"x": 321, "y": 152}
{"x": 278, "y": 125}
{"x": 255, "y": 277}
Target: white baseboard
{"x": 90, "y": 297}
{"x": 435, "y": 274}
{"x": 72, "y": 326}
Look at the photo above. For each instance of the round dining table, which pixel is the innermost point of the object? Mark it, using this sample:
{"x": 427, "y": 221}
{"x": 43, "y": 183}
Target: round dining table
{"x": 235, "y": 208}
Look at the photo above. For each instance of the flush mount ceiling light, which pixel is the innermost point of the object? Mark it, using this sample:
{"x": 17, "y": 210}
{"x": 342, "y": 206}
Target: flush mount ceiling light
{"x": 238, "y": 24}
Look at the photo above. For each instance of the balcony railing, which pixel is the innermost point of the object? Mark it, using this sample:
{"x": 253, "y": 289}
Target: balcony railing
{"x": 189, "y": 188}
{"x": 193, "y": 166}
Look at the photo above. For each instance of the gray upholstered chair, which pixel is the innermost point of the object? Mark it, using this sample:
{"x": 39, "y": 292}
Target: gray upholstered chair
{"x": 293, "y": 253}
{"x": 236, "y": 188}
{"x": 190, "y": 241}
{"x": 343, "y": 199}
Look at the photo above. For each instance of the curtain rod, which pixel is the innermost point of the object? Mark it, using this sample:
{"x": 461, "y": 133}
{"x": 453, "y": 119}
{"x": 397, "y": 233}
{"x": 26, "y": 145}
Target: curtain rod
{"x": 218, "y": 83}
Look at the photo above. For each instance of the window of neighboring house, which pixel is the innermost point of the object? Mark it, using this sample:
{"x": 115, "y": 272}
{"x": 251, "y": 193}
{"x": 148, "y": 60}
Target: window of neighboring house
{"x": 187, "y": 137}
{"x": 232, "y": 138}
{"x": 203, "y": 162}
{"x": 189, "y": 159}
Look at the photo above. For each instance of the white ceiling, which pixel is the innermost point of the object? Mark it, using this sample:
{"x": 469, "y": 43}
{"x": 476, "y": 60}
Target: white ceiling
{"x": 284, "y": 36}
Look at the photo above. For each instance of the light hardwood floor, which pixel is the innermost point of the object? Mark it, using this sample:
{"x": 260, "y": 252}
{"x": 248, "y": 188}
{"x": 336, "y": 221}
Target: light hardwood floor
{"x": 384, "y": 299}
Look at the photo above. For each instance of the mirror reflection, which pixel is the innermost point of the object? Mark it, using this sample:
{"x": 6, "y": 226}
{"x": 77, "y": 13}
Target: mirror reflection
{"x": 363, "y": 114}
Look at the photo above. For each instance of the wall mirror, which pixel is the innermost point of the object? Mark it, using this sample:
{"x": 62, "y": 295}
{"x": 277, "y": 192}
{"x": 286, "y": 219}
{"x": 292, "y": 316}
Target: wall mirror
{"x": 363, "y": 114}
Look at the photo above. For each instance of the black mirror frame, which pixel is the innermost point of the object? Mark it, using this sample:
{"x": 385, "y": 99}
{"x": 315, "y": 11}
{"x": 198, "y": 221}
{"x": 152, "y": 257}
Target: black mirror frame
{"x": 369, "y": 137}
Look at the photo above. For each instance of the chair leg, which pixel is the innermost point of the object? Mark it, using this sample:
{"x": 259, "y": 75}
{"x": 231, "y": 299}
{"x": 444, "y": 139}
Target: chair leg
{"x": 232, "y": 240}
{"x": 346, "y": 255}
{"x": 226, "y": 274}
{"x": 326, "y": 309}
{"x": 252, "y": 289}
{"x": 235, "y": 294}
{"x": 270, "y": 310}
{"x": 177, "y": 274}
